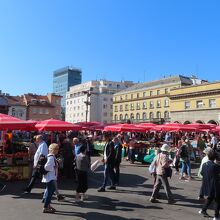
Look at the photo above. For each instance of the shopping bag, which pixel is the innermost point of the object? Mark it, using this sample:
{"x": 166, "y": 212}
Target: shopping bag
{"x": 152, "y": 168}
{"x": 95, "y": 165}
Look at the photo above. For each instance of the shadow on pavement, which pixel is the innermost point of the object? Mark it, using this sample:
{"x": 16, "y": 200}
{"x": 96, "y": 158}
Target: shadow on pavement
{"x": 94, "y": 216}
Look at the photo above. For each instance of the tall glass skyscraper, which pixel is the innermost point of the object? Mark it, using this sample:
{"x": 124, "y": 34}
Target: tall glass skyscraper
{"x": 63, "y": 79}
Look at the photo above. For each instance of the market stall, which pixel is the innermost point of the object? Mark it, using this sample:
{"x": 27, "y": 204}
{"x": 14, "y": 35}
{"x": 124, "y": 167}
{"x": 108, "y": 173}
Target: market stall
{"x": 13, "y": 148}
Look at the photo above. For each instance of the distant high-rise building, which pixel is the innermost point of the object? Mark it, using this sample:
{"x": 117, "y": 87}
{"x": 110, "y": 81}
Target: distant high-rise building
{"x": 63, "y": 79}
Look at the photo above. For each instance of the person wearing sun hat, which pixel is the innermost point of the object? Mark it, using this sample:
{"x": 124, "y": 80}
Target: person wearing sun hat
{"x": 161, "y": 162}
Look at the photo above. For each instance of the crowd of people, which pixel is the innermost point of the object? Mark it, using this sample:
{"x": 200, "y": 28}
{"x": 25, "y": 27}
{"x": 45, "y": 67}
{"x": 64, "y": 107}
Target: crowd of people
{"x": 69, "y": 155}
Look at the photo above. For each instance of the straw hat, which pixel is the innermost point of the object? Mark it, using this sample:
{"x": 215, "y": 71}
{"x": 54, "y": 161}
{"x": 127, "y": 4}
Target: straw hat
{"x": 165, "y": 147}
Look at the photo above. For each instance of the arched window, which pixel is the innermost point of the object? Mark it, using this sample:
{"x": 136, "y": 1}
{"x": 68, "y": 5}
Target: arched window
{"x": 121, "y": 117}
{"x": 116, "y": 118}
{"x": 213, "y": 122}
{"x": 126, "y": 116}
{"x": 158, "y": 115}
{"x": 144, "y": 116}
{"x": 200, "y": 122}
{"x": 132, "y": 116}
{"x": 166, "y": 114}
{"x": 151, "y": 116}
{"x": 138, "y": 116}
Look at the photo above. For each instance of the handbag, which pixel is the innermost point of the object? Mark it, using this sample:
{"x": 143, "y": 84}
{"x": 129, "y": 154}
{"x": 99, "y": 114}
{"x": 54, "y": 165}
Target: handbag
{"x": 168, "y": 171}
{"x": 95, "y": 165}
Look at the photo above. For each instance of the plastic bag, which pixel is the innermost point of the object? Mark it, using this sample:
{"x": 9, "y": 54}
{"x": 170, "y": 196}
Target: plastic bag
{"x": 95, "y": 165}
{"x": 152, "y": 168}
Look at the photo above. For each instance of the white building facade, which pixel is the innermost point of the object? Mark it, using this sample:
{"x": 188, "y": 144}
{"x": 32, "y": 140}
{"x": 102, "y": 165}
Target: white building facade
{"x": 93, "y": 101}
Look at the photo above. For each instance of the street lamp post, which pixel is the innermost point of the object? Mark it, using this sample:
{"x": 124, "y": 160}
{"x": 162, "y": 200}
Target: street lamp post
{"x": 87, "y": 102}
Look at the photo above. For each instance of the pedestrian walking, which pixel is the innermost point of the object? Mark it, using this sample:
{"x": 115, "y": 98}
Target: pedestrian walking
{"x": 82, "y": 165}
{"x": 108, "y": 160}
{"x": 162, "y": 163}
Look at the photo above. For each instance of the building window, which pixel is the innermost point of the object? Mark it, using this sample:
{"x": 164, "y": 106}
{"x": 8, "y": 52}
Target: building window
{"x": 67, "y": 103}
{"x": 132, "y": 116}
{"x": 137, "y": 95}
{"x": 144, "y": 105}
{"x": 132, "y": 106}
{"x": 187, "y": 105}
{"x": 121, "y": 117}
{"x": 116, "y": 108}
{"x": 158, "y": 92}
{"x": 151, "y": 93}
{"x": 105, "y": 99}
{"x": 166, "y": 114}
{"x": 121, "y": 108}
{"x": 151, "y": 116}
{"x": 131, "y": 96}
{"x": 212, "y": 103}
{"x": 126, "y": 97}
{"x": 105, "y": 114}
{"x": 158, "y": 103}
{"x": 166, "y": 91}
{"x": 104, "y": 106}
{"x": 151, "y": 104}
{"x": 126, "y": 116}
{"x": 144, "y": 94}
{"x": 199, "y": 104}
{"x": 137, "y": 116}
{"x": 166, "y": 103}
{"x": 116, "y": 118}
{"x": 126, "y": 107}
{"x": 138, "y": 106}
{"x": 121, "y": 98}
{"x": 158, "y": 115}
{"x": 144, "y": 116}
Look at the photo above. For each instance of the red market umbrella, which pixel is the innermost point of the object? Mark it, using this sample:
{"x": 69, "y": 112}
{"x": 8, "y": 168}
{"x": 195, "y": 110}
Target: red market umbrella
{"x": 202, "y": 126}
{"x": 146, "y": 126}
{"x": 56, "y": 125}
{"x": 124, "y": 128}
{"x": 174, "y": 127}
{"x": 88, "y": 125}
{"x": 8, "y": 122}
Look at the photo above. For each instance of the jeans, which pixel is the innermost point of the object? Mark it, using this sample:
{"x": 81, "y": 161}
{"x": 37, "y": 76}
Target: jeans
{"x": 50, "y": 189}
{"x": 132, "y": 155}
{"x": 108, "y": 172}
{"x": 186, "y": 166}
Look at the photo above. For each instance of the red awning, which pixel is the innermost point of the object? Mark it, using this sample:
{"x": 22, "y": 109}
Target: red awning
{"x": 56, "y": 125}
{"x": 8, "y": 122}
{"x": 124, "y": 128}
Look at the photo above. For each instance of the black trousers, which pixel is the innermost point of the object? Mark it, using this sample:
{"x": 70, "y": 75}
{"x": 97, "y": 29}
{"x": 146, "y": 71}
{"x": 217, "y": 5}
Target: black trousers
{"x": 35, "y": 176}
{"x": 82, "y": 181}
{"x": 117, "y": 172}
{"x": 208, "y": 203}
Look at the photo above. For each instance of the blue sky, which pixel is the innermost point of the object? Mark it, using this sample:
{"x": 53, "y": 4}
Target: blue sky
{"x": 138, "y": 40}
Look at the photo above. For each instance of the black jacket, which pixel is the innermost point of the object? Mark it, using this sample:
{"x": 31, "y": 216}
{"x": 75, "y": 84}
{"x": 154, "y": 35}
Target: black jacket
{"x": 110, "y": 153}
{"x": 211, "y": 180}
{"x": 118, "y": 152}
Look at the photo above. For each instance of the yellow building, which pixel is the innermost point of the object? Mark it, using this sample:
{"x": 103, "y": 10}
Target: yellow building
{"x": 147, "y": 102}
{"x": 198, "y": 103}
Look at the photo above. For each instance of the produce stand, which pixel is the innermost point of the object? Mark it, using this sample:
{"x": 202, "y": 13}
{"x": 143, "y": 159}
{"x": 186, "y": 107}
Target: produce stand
{"x": 14, "y": 166}
{"x": 99, "y": 147}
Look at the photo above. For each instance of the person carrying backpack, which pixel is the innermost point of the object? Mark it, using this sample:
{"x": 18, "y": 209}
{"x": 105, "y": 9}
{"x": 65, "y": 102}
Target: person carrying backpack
{"x": 50, "y": 178}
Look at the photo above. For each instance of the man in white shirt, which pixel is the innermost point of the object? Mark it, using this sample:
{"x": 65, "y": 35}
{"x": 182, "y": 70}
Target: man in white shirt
{"x": 41, "y": 150}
